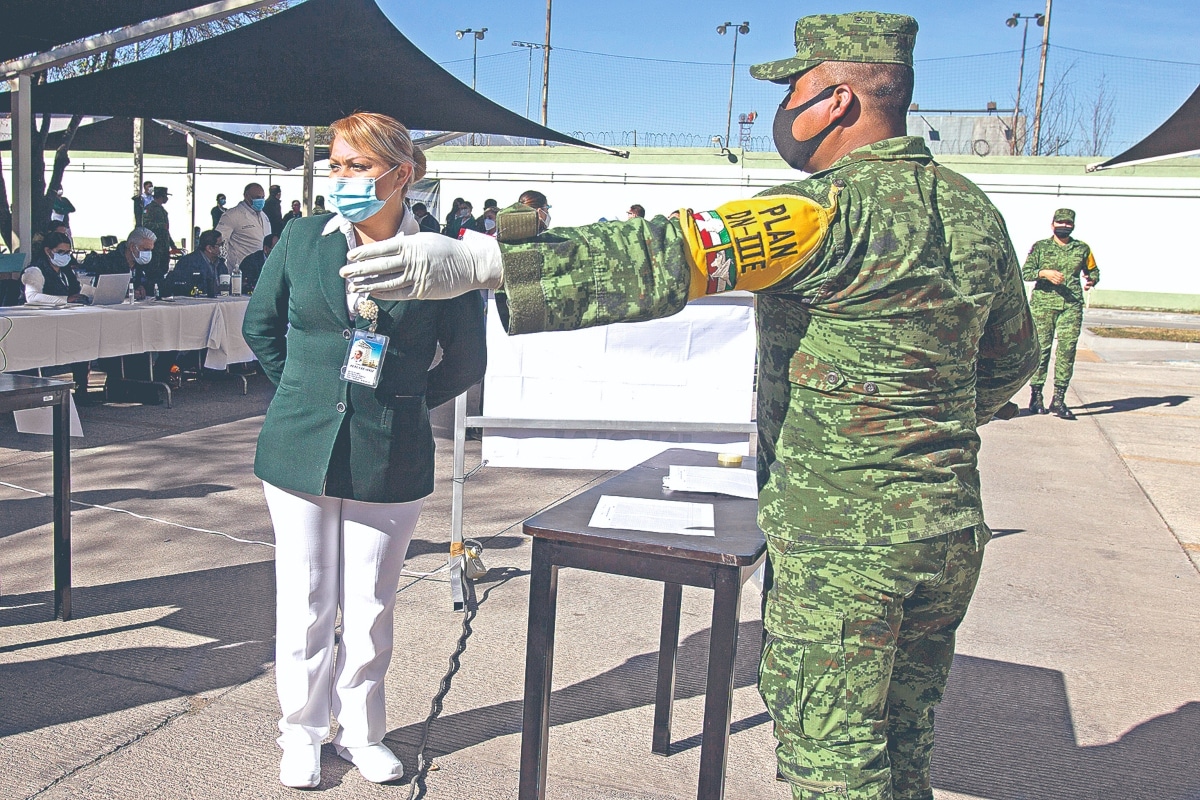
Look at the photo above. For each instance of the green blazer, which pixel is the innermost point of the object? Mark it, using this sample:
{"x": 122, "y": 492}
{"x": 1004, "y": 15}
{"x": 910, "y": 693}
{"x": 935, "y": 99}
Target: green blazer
{"x": 324, "y": 435}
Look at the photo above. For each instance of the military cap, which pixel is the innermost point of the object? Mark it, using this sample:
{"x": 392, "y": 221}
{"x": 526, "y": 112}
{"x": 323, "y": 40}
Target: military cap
{"x": 866, "y": 37}
{"x": 1064, "y": 215}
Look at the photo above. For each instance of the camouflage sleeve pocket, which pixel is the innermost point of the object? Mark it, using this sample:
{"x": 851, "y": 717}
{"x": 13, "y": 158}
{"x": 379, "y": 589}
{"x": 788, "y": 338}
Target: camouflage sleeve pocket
{"x": 802, "y": 676}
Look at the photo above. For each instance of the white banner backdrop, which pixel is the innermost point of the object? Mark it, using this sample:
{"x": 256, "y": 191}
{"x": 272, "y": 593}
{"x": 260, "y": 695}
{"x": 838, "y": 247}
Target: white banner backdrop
{"x": 697, "y": 366}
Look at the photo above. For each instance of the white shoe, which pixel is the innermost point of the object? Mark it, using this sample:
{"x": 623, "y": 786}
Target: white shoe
{"x": 300, "y": 767}
{"x": 375, "y": 762}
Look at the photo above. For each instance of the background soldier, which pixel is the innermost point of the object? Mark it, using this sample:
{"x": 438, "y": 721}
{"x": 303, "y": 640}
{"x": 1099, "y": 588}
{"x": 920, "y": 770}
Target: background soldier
{"x": 892, "y": 321}
{"x": 1057, "y": 303}
{"x": 155, "y": 219}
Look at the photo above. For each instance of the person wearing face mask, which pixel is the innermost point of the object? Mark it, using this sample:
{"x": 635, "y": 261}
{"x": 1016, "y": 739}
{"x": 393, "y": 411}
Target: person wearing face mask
{"x": 218, "y": 210}
{"x": 244, "y": 226}
{"x": 156, "y": 219}
{"x": 50, "y": 279}
{"x": 1056, "y": 265}
{"x": 486, "y": 223}
{"x": 892, "y": 323}
{"x": 346, "y": 455}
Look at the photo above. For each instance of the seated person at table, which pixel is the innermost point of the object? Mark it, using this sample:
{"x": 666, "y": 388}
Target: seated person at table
{"x": 49, "y": 279}
{"x": 252, "y": 264}
{"x": 198, "y": 273}
{"x": 132, "y": 255}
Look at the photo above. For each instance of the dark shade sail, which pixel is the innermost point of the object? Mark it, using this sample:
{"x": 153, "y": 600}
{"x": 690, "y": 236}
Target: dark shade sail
{"x": 1178, "y": 136}
{"x": 115, "y": 135}
{"x": 308, "y": 65}
{"x": 35, "y": 26}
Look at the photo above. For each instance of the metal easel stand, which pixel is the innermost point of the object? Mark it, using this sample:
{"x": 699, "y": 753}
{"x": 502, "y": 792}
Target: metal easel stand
{"x": 460, "y": 476}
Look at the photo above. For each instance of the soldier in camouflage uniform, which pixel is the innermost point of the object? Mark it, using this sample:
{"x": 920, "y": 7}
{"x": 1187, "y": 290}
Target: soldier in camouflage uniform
{"x": 892, "y": 323}
{"x": 1057, "y": 303}
{"x": 155, "y": 219}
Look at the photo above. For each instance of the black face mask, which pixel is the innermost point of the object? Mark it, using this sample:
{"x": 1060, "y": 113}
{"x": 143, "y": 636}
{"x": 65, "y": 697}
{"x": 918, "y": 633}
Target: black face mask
{"x": 1062, "y": 232}
{"x": 797, "y": 153}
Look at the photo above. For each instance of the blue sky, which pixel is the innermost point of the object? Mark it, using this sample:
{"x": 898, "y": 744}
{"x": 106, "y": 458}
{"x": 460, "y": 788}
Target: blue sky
{"x": 686, "y": 31}
{"x": 687, "y": 102}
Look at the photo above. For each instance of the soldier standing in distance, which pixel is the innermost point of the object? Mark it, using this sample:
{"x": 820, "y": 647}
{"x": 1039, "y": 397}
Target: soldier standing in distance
{"x": 892, "y": 322}
{"x": 1057, "y": 304}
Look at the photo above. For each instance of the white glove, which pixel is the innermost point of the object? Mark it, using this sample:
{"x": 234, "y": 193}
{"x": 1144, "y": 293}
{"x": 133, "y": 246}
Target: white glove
{"x": 425, "y": 266}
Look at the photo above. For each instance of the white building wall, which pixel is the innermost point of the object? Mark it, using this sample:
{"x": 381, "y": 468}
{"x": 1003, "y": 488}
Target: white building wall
{"x": 1144, "y": 230}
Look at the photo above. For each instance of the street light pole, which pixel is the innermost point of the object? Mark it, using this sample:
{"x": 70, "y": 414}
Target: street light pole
{"x": 478, "y": 34}
{"x": 530, "y": 46}
{"x": 743, "y": 28}
{"x": 1037, "y": 111}
{"x": 1012, "y": 23}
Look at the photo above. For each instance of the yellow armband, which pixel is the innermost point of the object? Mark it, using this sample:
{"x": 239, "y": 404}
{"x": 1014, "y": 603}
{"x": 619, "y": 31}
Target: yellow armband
{"x": 752, "y": 244}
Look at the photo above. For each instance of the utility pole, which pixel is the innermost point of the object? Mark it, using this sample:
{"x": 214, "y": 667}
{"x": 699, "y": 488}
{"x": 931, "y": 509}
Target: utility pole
{"x": 1037, "y": 111}
{"x": 546, "y": 65}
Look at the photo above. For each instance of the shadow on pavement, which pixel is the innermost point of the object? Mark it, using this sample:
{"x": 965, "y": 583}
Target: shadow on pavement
{"x": 230, "y": 609}
{"x": 1004, "y": 731}
{"x": 630, "y": 685}
{"x": 23, "y": 514}
{"x": 1130, "y": 404}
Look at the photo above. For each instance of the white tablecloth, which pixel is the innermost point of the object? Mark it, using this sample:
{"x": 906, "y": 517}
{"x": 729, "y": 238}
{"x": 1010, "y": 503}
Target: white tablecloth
{"x": 45, "y": 337}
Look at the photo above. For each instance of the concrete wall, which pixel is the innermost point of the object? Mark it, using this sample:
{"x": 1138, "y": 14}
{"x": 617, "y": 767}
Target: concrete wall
{"x": 1141, "y": 221}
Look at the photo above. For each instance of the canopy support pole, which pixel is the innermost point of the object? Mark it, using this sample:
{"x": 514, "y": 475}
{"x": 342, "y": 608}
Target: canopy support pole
{"x": 310, "y": 145}
{"x": 22, "y": 161}
{"x": 191, "y": 188}
{"x": 139, "y": 159}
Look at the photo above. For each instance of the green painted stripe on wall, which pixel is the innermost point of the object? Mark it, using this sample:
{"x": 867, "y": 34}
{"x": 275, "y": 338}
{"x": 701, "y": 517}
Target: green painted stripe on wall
{"x": 1159, "y": 301}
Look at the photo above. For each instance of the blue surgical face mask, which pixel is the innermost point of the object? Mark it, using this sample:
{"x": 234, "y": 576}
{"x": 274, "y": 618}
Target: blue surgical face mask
{"x": 60, "y": 259}
{"x": 258, "y": 203}
{"x": 144, "y": 257}
{"x": 354, "y": 198}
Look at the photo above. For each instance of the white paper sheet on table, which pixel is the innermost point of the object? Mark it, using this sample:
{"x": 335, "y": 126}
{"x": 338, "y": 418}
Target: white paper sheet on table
{"x": 41, "y": 420}
{"x": 655, "y": 516}
{"x": 718, "y": 480}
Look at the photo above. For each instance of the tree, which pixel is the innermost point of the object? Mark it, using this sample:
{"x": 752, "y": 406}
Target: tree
{"x": 45, "y": 190}
{"x": 294, "y": 134}
{"x": 1096, "y": 123}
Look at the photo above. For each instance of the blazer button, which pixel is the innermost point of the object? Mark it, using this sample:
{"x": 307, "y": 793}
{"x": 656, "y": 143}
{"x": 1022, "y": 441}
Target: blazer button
{"x": 341, "y": 407}
{"x": 346, "y": 334}
{"x": 870, "y": 388}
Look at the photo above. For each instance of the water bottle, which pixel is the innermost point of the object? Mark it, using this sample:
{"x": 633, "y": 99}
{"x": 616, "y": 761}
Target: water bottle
{"x": 235, "y": 281}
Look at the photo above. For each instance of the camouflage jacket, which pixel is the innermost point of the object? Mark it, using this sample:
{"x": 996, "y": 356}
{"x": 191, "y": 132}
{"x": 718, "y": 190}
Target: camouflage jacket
{"x": 892, "y": 321}
{"x": 155, "y": 218}
{"x": 1071, "y": 259}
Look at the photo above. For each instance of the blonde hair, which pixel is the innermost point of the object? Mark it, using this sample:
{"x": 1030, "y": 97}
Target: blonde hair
{"x": 381, "y": 136}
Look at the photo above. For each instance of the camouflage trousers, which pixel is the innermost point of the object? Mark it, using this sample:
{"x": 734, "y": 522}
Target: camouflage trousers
{"x": 859, "y": 645}
{"x": 1056, "y": 320}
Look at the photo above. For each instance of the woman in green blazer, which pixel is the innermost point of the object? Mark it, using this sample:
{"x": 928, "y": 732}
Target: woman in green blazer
{"x": 346, "y": 451}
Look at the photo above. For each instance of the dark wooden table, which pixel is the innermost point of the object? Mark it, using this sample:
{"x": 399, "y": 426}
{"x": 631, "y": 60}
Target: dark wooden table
{"x": 18, "y": 392}
{"x": 723, "y": 563}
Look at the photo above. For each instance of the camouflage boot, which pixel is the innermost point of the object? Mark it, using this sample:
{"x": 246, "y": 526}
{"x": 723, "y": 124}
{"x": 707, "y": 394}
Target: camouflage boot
{"x": 1035, "y": 400}
{"x": 1058, "y": 407}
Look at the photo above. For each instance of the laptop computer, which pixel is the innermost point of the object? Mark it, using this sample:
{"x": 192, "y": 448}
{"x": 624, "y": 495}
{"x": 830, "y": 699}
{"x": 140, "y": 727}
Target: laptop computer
{"x": 111, "y": 289}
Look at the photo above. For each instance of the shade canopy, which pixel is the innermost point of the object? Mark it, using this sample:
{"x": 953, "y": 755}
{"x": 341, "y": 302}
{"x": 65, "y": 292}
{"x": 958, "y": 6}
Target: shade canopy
{"x": 115, "y": 135}
{"x": 35, "y": 26}
{"x": 308, "y": 65}
{"x": 1178, "y": 136}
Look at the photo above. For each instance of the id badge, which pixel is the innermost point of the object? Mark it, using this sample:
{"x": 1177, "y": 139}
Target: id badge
{"x": 364, "y": 358}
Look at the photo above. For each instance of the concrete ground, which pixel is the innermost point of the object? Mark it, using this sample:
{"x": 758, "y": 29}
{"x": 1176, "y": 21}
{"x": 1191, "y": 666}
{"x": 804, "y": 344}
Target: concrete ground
{"x": 1075, "y": 679}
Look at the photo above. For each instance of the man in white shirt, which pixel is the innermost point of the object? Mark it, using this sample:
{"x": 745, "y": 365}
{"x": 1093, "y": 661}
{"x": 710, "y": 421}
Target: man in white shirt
{"x": 244, "y": 226}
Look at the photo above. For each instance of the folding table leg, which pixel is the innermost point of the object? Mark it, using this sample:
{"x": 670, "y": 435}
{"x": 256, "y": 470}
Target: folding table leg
{"x": 539, "y": 669}
{"x": 718, "y": 699}
{"x": 668, "y": 644}
{"x": 62, "y": 509}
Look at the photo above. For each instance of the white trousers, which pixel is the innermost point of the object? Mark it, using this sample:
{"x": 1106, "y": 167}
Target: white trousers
{"x": 329, "y": 554}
